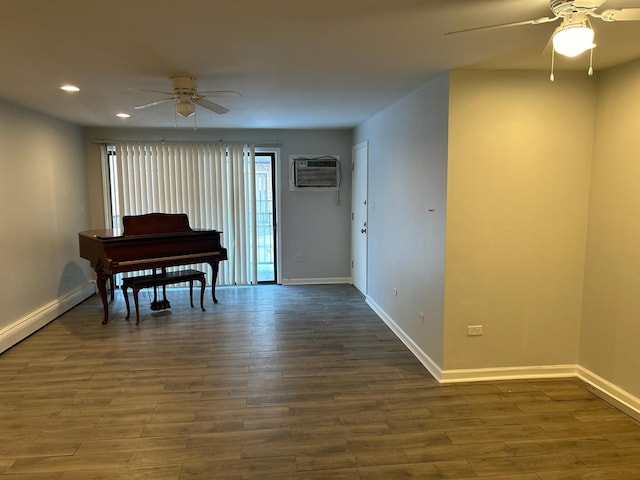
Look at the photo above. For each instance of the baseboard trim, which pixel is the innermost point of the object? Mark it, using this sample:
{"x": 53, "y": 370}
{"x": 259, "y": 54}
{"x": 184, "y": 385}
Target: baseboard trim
{"x": 315, "y": 281}
{"x": 25, "y": 326}
{"x": 611, "y": 393}
{"x": 431, "y": 366}
{"x": 607, "y": 391}
{"x": 508, "y": 373}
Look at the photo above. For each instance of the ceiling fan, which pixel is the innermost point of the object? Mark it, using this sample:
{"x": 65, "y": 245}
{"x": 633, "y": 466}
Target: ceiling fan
{"x": 186, "y": 97}
{"x": 574, "y": 35}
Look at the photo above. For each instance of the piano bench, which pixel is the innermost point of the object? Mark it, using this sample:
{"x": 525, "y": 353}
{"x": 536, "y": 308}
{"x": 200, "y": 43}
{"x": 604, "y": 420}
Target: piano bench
{"x": 136, "y": 283}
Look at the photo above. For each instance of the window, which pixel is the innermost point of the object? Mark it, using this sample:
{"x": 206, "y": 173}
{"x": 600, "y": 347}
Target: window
{"x": 214, "y": 184}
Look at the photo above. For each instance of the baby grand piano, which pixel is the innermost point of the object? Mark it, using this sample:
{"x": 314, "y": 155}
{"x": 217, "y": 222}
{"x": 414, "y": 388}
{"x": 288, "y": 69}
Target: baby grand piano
{"x": 154, "y": 240}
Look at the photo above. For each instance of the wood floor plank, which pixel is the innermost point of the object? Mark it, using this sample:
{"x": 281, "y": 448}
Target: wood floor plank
{"x": 155, "y": 473}
{"x": 281, "y": 382}
{"x": 625, "y": 472}
{"x": 525, "y": 464}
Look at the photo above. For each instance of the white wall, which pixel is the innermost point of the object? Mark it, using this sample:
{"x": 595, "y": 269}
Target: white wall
{"x": 42, "y": 208}
{"x": 509, "y": 156}
{"x": 517, "y": 206}
{"x": 406, "y": 215}
{"x": 611, "y": 318}
{"x": 313, "y": 224}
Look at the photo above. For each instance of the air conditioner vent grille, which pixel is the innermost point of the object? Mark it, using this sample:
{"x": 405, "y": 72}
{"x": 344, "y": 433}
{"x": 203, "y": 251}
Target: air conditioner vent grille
{"x": 321, "y": 172}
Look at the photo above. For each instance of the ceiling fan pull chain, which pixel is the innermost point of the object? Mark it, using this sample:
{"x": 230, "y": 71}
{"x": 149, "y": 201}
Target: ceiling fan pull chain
{"x": 590, "y": 71}
{"x": 553, "y": 57}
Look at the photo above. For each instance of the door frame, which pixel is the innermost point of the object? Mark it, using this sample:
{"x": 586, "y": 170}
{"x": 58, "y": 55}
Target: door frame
{"x": 360, "y": 255}
{"x": 277, "y": 262}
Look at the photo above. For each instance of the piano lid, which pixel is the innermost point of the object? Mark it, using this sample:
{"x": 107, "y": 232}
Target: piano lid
{"x": 102, "y": 233}
{"x": 151, "y": 225}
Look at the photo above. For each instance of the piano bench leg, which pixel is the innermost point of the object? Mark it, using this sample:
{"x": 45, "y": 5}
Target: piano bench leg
{"x": 125, "y": 294}
{"x": 202, "y": 279}
{"x": 138, "y": 283}
{"x": 136, "y": 289}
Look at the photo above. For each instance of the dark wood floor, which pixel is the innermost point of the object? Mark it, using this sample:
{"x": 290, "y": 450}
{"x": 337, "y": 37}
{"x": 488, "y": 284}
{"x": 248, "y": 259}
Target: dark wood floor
{"x": 275, "y": 382}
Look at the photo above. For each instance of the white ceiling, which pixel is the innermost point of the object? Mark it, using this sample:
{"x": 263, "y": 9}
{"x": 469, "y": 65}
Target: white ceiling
{"x": 297, "y": 63}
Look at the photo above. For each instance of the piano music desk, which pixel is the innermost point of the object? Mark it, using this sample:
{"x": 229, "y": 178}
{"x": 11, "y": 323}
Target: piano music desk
{"x": 136, "y": 283}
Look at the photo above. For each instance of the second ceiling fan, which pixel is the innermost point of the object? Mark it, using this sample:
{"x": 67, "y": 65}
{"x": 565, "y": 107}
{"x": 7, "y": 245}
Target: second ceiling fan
{"x": 186, "y": 96}
{"x": 574, "y": 35}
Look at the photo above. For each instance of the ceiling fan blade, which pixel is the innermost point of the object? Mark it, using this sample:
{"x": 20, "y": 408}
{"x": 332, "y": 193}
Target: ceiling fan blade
{"x": 625, "y": 14}
{"x": 535, "y": 21}
{"x": 588, "y": 3}
{"x": 219, "y": 93}
{"x": 154, "y": 91}
{"x": 214, "y": 107}
{"x": 151, "y": 104}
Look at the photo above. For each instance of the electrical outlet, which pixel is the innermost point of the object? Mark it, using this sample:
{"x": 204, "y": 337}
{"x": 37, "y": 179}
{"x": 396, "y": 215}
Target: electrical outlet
{"x": 395, "y": 292}
{"x": 421, "y": 316}
{"x": 474, "y": 330}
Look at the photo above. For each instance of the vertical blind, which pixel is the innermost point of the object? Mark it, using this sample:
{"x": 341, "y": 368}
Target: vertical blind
{"x": 214, "y": 184}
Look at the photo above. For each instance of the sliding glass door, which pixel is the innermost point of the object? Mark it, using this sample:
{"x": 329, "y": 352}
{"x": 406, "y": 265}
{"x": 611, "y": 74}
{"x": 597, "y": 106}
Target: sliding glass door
{"x": 265, "y": 211}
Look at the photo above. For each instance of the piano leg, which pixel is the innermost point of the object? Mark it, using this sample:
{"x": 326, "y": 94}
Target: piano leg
{"x": 102, "y": 290}
{"x": 214, "y": 267}
{"x": 112, "y": 286}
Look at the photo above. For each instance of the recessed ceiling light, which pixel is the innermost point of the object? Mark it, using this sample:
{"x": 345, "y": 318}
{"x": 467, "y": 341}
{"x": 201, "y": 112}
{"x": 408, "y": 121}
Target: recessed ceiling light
{"x": 69, "y": 88}
{"x": 123, "y": 115}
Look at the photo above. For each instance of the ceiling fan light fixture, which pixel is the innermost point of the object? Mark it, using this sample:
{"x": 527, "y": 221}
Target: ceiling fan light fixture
{"x": 185, "y": 107}
{"x": 69, "y": 88}
{"x": 573, "y": 39}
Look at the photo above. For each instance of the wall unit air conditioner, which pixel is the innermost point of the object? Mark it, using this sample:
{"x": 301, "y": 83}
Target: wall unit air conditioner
{"x": 317, "y": 172}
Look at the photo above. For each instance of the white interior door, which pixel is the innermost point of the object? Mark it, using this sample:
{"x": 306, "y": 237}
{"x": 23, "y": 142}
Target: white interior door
{"x": 359, "y": 226}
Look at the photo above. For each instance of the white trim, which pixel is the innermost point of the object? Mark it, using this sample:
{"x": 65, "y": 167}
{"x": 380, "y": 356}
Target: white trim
{"x": 315, "y": 281}
{"x": 508, "y": 373}
{"x": 278, "y": 206}
{"x": 606, "y": 390}
{"x": 364, "y": 289}
{"x": 611, "y": 393}
{"x": 29, "y": 324}
{"x": 428, "y": 363}
{"x": 362, "y": 144}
